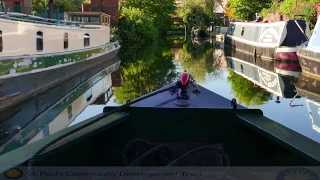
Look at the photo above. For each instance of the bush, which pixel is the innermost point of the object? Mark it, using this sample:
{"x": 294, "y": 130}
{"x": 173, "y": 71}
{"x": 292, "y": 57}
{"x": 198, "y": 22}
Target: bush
{"x": 135, "y": 26}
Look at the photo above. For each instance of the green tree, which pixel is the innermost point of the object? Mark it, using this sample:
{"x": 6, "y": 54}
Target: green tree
{"x": 198, "y": 13}
{"x": 158, "y": 10}
{"x": 135, "y": 26}
{"x": 246, "y": 92}
{"x": 305, "y": 8}
{"x": 246, "y": 9}
{"x": 145, "y": 68}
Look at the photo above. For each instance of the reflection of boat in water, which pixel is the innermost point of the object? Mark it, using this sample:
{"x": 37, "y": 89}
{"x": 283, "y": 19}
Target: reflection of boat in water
{"x": 48, "y": 114}
{"x": 309, "y": 87}
{"x": 37, "y": 54}
{"x": 276, "y": 77}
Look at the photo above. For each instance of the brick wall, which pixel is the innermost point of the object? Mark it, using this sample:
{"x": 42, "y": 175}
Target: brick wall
{"x": 106, "y": 6}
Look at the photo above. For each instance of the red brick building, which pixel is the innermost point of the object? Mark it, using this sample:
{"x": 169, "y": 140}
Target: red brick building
{"x": 22, "y": 6}
{"x": 106, "y": 6}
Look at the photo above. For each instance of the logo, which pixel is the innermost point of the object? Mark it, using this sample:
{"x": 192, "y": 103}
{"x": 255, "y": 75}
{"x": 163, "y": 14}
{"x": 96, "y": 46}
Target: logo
{"x": 13, "y": 173}
{"x": 269, "y": 35}
{"x": 297, "y": 173}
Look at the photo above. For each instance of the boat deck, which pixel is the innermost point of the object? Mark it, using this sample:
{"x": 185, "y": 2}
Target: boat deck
{"x": 206, "y": 99}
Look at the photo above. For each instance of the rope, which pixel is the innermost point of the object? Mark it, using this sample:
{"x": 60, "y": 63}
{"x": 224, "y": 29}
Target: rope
{"x": 33, "y": 158}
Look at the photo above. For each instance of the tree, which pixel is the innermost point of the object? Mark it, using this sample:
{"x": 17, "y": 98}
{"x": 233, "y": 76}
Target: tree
{"x": 198, "y": 12}
{"x": 158, "y": 10}
{"x": 246, "y": 9}
{"x": 50, "y": 11}
{"x": 135, "y": 26}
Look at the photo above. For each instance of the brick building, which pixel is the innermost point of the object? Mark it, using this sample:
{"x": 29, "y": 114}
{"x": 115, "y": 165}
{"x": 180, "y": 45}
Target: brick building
{"x": 106, "y": 6}
{"x": 22, "y": 6}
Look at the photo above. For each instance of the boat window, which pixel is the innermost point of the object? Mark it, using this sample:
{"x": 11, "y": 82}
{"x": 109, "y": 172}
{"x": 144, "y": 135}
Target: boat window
{"x": 39, "y": 41}
{"x": 242, "y": 31}
{"x": 241, "y": 68}
{"x": 86, "y": 40}
{"x": 65, "y": 41}
{"x": 1, "y": 43}
{"x": 230, "y": 30}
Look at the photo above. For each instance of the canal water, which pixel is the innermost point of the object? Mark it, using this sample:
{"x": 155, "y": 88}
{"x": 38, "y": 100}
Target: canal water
{"x": 145, "y": 68}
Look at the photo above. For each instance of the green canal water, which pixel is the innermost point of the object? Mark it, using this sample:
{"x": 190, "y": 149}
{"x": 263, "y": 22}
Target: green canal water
{"x": 145, "y": 68}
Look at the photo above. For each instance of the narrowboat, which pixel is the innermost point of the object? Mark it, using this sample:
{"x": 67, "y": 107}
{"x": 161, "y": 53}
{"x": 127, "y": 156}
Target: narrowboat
{"x": 274, "y": 40}
{"x": 159, "y": 133}
{"x": 309, "y": 53}
{"x": 277, "y": 77}
{"x": 309, "y": 87}
{"x": 55, "y": 109}
{"x": 38, "y": 53}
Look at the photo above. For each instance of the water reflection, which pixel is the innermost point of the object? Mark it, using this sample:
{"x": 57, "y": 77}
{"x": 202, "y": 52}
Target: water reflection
{"x": 56, "y": 108}
{"x": 277, "y": 78}
{"x": 309, "y": 87}
{"x": 144, "y": 68}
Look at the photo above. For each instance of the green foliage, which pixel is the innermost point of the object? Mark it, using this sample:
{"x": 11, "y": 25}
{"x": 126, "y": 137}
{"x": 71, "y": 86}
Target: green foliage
{"x": 197, "y": 13}
{"x": 246, "y": 9}
{"x": 273, "y": 8}
{"x": 158, "y": 10}
{"x": 246, "y": 92}
{"x": 135, "y": 26}
{"x": 305, "y": 8}
{"x": 144, "y": 69}
{"x": 63, "y": 5}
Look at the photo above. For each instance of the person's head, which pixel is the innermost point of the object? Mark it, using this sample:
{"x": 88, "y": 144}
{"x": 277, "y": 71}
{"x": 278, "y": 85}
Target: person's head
{"x": 184, "y": 78}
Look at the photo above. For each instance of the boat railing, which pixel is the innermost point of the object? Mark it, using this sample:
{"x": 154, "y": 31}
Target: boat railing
{"x": 39, "y": 20}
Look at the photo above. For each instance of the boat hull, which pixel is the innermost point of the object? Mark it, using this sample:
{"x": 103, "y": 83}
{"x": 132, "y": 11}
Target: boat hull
{"x": 276, "y": 41}
{"x": 273, "y": 53}
{"x": 309, "y": 61}
{"x": 52, "y": 70}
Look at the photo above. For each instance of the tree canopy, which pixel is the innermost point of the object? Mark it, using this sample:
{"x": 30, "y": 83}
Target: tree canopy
{"x": 198, "y": 12}
{"x": 153, "y": 15}
{"x": 63, "y": 5}
{"x": 246, "y": 9}
{"x": 306, "y": 8}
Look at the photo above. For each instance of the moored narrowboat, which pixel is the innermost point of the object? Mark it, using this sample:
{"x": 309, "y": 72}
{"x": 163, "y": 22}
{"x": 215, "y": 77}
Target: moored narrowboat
{"x": 274, "y": 40}
{"x": 38, "y": 53}
{"x": 309, "y": 53}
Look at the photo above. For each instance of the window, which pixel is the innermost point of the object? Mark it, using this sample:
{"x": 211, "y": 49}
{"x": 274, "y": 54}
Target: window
{"x": 39, "y": 41}
{"x": 242, "y": 31}
{"x": 65, "y": 41}
{"x": 17, "y": 7}
{"x": 1, "y": 43}
{"x": 86, "y": 40}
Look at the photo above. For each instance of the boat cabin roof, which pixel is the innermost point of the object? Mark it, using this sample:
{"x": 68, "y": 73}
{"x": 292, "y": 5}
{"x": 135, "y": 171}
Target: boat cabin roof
{"x": 90, "y": 18}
